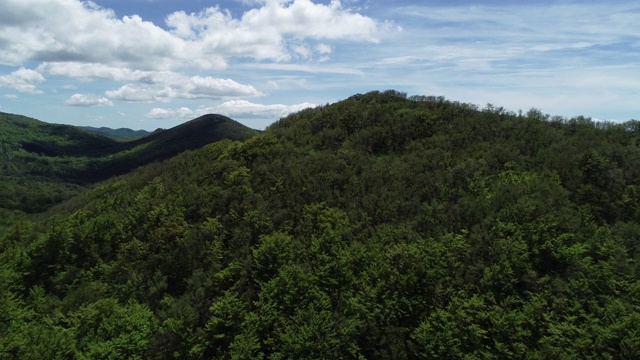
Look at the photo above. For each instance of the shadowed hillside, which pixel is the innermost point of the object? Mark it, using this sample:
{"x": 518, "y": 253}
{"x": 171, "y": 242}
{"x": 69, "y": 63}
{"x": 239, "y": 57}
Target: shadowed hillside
{"x": 163, "y": 144}
{"x": 42, "y": 164}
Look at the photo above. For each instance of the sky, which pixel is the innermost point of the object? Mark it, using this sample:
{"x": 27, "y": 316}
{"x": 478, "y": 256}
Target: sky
{"x": 148, "y": 64}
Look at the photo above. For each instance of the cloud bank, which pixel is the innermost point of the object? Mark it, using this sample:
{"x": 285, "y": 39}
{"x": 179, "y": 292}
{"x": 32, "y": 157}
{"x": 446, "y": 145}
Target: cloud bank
{"x": 23, "y": 80}
{"x": 70, "y": 31}
{"x": 154, "y": 63}
{"x": 237, "y": 109}
{"x": 88, "y": 100}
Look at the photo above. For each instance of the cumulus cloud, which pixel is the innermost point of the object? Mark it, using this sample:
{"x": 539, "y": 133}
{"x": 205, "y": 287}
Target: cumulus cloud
{"x": 151, "y": 63}
{"x": 244, "y": 108}
{"x": 149, "y": 86}
{"x": 71, "y": 31}
{"x": 263, "y": 33}
{"x": 23, "y": 80}
{"x": 134, "y": 93}
{"x": 90, "y": 71}
{"x": 88, "y": 100}
{"x": 239, "y": 109}
{"x": 180, "y": 113}
{"x": 212, "y": 88}
{"x": 176, "y": 86}
{"x": 304, "y": 18}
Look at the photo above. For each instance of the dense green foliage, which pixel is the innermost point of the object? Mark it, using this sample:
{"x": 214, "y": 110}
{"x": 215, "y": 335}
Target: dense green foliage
{"x": 122, "y": 134}
{"x": 376, "y": 227}
{"x": 43, "y": 164}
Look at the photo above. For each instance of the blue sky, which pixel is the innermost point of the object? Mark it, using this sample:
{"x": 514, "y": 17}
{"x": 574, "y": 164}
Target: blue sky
{"x": 147, "y": 64}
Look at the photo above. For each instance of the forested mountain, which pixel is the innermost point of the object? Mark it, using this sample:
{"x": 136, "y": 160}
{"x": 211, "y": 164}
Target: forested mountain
{"x": 379, "y": 227}
{"x": 122, "y": 134}
{"x": 42, "y": 164}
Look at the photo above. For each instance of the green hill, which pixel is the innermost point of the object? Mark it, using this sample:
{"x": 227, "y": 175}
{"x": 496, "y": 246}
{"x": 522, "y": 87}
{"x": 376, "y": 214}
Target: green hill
{"x": 21, "y": 135}
{"x": 163, "y": 144}
{"x": 36, "y": 161}
{"x": 42, "y": 164}
{"x": 379, "y": 227}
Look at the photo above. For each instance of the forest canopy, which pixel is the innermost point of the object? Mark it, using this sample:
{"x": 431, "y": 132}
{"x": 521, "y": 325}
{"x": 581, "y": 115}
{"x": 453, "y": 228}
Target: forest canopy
{"x": 382, "y": 226}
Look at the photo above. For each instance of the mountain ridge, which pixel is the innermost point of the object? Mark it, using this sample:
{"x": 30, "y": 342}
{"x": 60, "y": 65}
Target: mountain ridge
{"x": 121, "y": 134}
{"x": 381, "y": 226}
{"x": 44, "y": 163}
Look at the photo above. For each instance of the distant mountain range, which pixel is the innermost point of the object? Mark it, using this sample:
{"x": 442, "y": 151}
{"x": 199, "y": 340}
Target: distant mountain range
{"x": 117, "y": 134}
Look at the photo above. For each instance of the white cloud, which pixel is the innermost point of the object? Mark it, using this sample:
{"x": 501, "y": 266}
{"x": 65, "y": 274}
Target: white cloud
{"x": 303, "y": 18}
{"x": 88, "y": 100}
{"x": 69, "y": 30}
{"x": 151, "y": 86}
{"x": 135, "y": 93}
{"x": 323, "y": 49}
{"x": 238, "y": 109}
{"x": 177, "y": 86}
{"x": 200, "y": 87}
{"x": 128, "y": 58}
{"x": 23, "y": 80}
{"x": 552, "y": 33}
{"x": 565, "y": 57}
{"x": 10, "y": 96}
{"x": 244, "y": 108}
{"x": 90, "y": 71}
{"x": 263, "y": 33}
{"x": 181, "y": 113}
{"x": 72, "y": 32}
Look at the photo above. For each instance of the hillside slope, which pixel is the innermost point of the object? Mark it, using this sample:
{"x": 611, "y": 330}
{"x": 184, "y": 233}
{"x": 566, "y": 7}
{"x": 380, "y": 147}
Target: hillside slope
{"x": 163, "y": 144}
{"x": 42, "y": 164}
{"x": 36, "y": 159}
{"x": 377, "y": 227}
